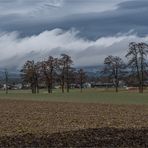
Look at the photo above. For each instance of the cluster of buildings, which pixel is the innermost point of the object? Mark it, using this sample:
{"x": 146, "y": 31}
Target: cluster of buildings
{"x": 11, "y": 86}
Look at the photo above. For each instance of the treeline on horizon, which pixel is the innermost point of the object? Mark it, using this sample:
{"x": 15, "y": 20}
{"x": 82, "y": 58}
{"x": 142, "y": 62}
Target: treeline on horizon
{"x": 60, "y": 71}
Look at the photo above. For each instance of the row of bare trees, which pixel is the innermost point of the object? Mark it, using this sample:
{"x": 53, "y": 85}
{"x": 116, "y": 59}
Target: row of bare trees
{"x": 137, "y": 66}
{"x": 60, "y": 70}
{"x": 51, "y": 71}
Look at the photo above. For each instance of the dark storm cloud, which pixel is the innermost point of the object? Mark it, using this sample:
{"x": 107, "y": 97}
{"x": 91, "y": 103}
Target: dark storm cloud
{"x": 34, "y": 16}
{"x": 100, "y": 28}
{"x": 127, "y": 16}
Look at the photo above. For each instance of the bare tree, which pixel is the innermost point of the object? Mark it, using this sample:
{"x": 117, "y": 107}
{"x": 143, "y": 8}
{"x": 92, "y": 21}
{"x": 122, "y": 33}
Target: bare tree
{"x": 61, "y": 72}
{"x": 30, "y": 75}
{"x": 6, "y": 81}
{"x": 49, "y": 69}
{"x": 114, "y": 67}
{"x": 65, "y": 63}
{"x": 137, "y": 54}
{"x": 81, "y": 78}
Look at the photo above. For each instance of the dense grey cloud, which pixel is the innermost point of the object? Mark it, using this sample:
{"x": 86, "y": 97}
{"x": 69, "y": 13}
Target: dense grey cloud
{"x": 130, "y": 15}
{"x": 29, "y": 29}
{"x": 34, "y": 16}
{"x": 64, "y": 7}
{"x": 84, "y": 52}
{"x": 94, "y": 18}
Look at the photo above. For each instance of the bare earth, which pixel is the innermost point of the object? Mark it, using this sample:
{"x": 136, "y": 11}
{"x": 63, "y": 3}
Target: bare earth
{"x": 46, "y": 124}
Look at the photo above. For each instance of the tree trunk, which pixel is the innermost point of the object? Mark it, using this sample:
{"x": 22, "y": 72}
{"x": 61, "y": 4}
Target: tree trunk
{"x": 51, "y": 82}
{"x": 81, "y": 88}
{"x": 6, "y": 77}
{"x": 49, "y": 88}
{"x": 67, "y": 87}
{"x": 33, "y": 88}
{"x": 140, "y": 87}
{"x": 6, "y": 89}
{"x": 116, "y": 88}
{"x": 67, "y": 79}
{"x": 62, "y": 85}
{"x": 37, "y": 87}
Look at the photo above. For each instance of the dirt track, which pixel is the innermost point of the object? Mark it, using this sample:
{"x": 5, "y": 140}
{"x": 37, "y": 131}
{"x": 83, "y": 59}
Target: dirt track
{"x": 28, "y": 123}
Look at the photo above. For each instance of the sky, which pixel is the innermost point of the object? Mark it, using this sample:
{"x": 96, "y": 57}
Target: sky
{"x": 87, "y": 30}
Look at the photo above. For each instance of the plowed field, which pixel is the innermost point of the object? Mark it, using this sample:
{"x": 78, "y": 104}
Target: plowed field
{"x": 46, "y": 124}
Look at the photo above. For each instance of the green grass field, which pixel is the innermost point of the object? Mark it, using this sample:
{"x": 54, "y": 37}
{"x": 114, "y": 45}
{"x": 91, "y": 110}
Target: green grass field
{"x": 88, "y": 96}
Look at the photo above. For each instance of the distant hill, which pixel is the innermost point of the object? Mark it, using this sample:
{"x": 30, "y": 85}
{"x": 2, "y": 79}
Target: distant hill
{"x": 93, "y": 70}
{"x": 14, "y": 74}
